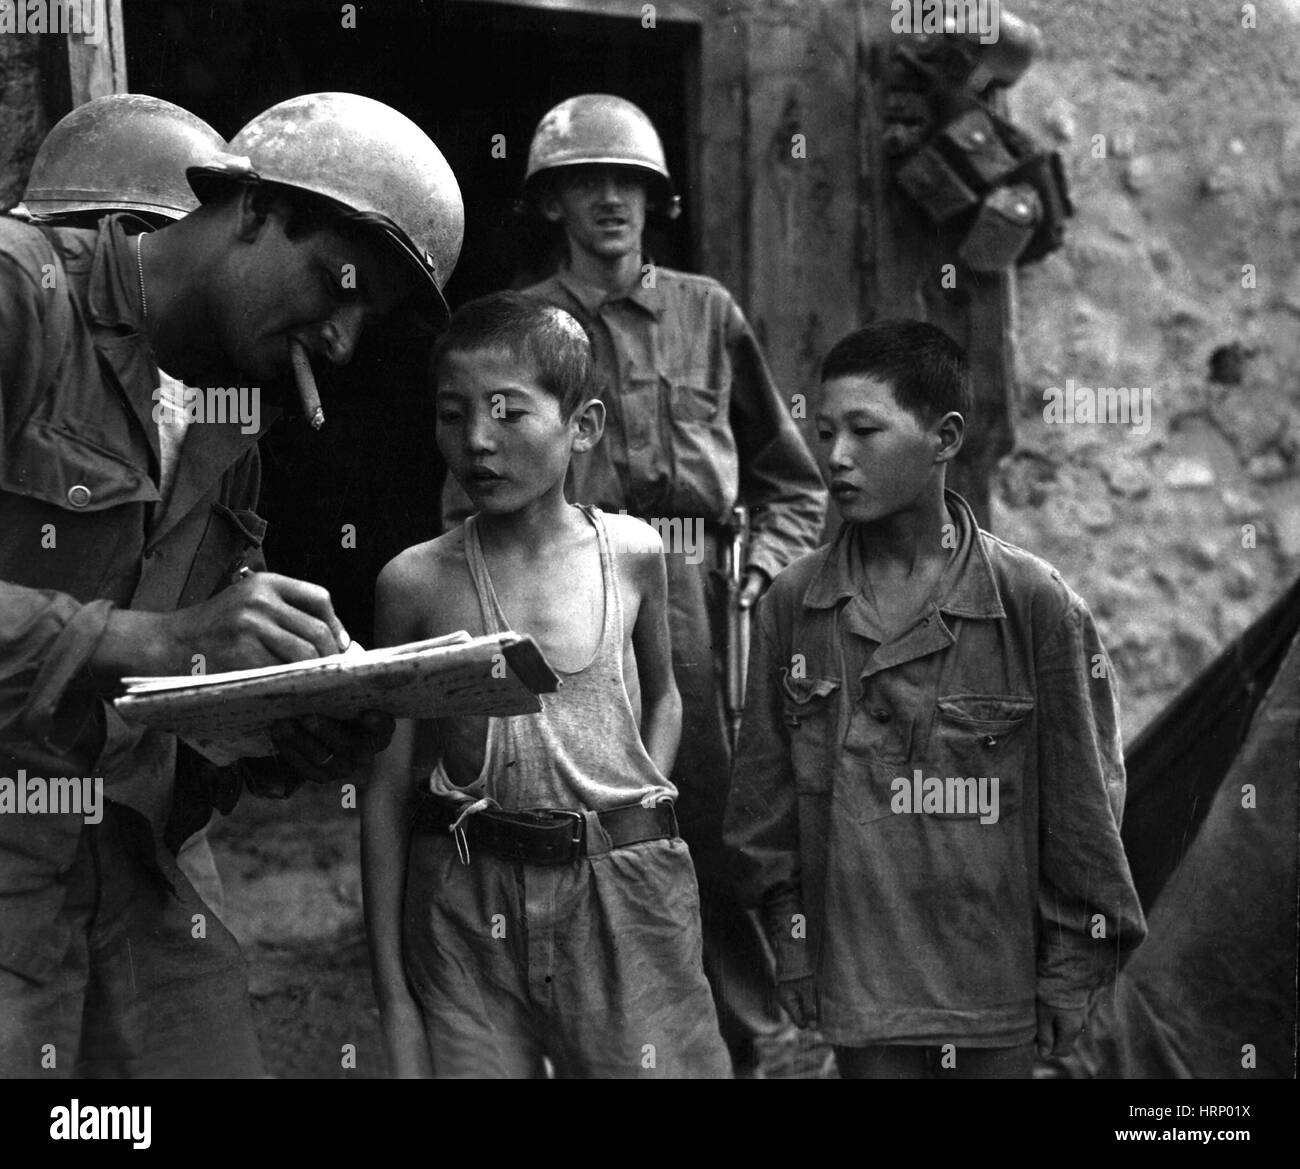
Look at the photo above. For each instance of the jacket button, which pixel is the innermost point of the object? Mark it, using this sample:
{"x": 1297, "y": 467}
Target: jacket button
{"x": 881, "y": 715}
{"x": 79, "y": 495}
{"x": 990, "y": 741}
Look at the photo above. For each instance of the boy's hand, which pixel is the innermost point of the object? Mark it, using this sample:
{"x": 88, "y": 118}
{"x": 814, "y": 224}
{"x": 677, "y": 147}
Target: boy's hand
{"x": 798, "y": 996}
{"x": 402, "y": 1026}
{"x": 1058, "y": 1029}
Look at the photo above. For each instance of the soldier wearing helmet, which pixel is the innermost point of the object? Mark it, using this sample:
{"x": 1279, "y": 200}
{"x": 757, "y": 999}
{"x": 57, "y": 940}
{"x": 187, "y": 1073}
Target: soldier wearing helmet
{"x": 128, "y": 152}
{"x": 121, "y": 152}
{"x": 125, "y": 520}
{"x": 695, "y": 426}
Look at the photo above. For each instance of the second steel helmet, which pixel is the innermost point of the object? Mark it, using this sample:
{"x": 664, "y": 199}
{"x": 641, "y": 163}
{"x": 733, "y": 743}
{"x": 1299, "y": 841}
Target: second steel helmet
{"x": 364, "y": 156}
{"x": 595, "y": 129}
{"x": 122, "y": 152}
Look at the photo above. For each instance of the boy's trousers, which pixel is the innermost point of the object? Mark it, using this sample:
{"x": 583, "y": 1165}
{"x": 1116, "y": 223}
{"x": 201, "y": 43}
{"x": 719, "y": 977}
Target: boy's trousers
{"x": 594, "y": 964}
{"x": 151, "y": 983}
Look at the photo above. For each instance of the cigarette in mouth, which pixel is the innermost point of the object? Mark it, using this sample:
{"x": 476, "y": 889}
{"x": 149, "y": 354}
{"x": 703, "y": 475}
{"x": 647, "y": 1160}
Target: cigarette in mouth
{"x": 307, "y": 390}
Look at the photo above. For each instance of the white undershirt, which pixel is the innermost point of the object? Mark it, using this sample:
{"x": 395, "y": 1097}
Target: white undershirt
{"x": 173, "y": 421}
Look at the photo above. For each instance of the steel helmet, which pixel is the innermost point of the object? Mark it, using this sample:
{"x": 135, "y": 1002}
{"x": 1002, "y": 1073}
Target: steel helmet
{"x": 601, "y": 129}
{"x": 122, "y": 152}
{"x": 363, "y": 155}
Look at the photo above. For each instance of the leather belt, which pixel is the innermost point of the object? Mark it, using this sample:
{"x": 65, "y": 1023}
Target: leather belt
{"x": 545, "y": 836}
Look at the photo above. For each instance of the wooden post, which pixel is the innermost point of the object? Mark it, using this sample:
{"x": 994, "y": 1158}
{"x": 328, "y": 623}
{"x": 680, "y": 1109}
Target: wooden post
{"x": 97, "y": 69}
{"x": 779, "y": 201}
{"x": 904, "y": 269}
{"x": 814, "y": 236}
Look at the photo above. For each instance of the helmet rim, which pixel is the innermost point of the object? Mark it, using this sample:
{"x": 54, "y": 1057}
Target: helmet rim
{"x": 362, "y": 156}
{"x": 207, "y": 180}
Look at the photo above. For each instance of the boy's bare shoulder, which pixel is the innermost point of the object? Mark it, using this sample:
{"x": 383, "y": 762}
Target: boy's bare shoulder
{"x": 430, "y": 581}
{"x": 628, "y": 534}
{"x": 414, "y": 567}
{"x": 638, "y": 550}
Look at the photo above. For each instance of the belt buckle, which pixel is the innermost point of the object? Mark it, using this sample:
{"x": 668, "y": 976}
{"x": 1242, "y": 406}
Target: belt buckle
{"x": 579, "y": 830}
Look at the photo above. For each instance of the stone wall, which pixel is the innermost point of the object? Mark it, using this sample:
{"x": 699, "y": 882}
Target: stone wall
{"x": 1181, "y": 134}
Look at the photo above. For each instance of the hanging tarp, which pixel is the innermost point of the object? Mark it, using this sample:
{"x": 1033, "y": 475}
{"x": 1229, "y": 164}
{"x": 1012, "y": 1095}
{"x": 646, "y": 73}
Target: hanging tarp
{"x": 1211, "y": 835}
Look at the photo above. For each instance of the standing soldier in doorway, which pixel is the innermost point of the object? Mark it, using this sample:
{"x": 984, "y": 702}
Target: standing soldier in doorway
{"x": 695, "y": 426}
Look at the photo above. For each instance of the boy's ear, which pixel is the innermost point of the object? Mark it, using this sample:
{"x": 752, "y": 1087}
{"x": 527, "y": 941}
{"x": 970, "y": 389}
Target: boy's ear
{"x": 948, "y": 432}
{"x": 590, "y": 419}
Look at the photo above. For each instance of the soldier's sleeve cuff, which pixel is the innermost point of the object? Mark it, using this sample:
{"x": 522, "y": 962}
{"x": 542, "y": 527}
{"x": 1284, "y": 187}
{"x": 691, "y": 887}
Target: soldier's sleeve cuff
{"x": 47, "y": 716}
{"x": 765, "y": 560}
{"x": 786, "y": 927}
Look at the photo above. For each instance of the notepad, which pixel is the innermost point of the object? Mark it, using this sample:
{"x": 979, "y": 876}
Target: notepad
{"x": 228, "y": 716}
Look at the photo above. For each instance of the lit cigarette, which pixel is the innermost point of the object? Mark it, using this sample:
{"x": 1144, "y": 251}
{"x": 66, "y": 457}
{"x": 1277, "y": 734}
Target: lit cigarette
{"x": 307, "y": 390}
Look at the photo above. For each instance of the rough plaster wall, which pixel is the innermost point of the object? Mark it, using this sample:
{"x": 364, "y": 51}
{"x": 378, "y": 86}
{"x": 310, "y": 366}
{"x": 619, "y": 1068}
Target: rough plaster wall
{"x": 1201, "y": 120}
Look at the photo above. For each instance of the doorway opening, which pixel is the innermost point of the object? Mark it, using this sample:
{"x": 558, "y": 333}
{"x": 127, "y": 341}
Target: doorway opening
{"x": 465, "y": 71}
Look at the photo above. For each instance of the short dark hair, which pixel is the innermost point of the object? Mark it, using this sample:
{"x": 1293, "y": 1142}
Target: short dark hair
{"x": 551, "y": 342}
{"x": 924, "y": 367}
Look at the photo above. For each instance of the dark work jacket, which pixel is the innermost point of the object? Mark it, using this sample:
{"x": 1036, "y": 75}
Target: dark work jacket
{"x": 82, "y": 531}
{"x": 936, "y": 923}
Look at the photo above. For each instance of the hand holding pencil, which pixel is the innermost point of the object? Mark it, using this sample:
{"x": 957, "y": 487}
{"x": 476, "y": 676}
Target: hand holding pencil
{"x": 264, "y": 620}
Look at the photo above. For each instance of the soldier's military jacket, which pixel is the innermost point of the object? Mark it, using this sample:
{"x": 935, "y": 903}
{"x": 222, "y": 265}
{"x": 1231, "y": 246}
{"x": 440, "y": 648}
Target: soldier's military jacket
{"x": 82, "y": 530}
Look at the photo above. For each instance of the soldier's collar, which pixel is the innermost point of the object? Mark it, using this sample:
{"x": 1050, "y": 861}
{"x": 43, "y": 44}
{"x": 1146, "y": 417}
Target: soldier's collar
{"x": 647, "y": 298}
{"x": 114, "y": 286}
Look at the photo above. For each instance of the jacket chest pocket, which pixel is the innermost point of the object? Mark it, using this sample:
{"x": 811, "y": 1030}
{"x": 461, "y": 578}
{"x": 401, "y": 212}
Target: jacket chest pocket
{"x": 977, "y": 749}
{"x": 74, "y": 513}
{"x": 232, "y": 537}
{"x": 809, "y": 710}
{"x": 694, "y": 401}
{"x": 640, "y": 407}
{"x": 51, "y": 463}
{"x": 860, "y": 785}
{"x": 880, "y": 731}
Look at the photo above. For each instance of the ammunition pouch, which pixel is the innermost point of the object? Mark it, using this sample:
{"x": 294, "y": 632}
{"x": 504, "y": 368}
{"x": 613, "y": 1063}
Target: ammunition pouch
{"x": 967, "y": 168}
{"x": 937, "y": 186}
{"x": 988, "y": 180}
{"x": 1002, "y": 229}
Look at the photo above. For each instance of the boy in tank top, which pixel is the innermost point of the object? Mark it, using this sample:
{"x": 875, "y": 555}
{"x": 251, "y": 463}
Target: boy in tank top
{"x": 528, "y": 897}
